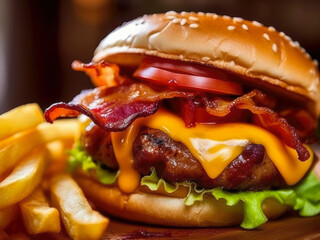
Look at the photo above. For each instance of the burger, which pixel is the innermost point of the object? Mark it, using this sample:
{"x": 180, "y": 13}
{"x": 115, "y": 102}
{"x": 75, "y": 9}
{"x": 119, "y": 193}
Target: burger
{"x": 197, "y": 120}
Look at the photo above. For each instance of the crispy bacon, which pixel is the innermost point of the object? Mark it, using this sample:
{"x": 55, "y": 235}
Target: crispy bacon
{"x": 263, "y": 116}
{"x": 303, "y": 121}
{"x": 114, "y": 108}
{"x": 108, "y": 115}
{"x": 101, "y": 73}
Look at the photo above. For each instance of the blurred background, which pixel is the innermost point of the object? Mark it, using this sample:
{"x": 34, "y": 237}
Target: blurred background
{"x": 40, "y": 39}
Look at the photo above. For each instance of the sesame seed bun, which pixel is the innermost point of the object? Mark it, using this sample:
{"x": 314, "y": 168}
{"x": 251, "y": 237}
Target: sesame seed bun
{"x": 169, "y": 211}
{"x": 260, "y": 54}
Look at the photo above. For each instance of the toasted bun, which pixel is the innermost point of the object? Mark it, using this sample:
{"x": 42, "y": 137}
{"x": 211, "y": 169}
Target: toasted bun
{"x": 169, "y": 211}
{"x": 242, "y": 47}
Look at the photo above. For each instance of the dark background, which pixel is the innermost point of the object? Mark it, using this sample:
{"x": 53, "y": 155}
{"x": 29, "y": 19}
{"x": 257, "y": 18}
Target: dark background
{"x": 39, "y": 39}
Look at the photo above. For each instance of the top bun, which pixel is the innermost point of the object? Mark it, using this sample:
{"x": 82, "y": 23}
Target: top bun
{"x": 243, "y": 47}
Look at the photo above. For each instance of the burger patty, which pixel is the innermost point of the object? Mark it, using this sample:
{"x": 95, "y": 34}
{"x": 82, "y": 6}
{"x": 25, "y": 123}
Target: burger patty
{"x": 97, "y": 144}
{"x": 251, "y": 170}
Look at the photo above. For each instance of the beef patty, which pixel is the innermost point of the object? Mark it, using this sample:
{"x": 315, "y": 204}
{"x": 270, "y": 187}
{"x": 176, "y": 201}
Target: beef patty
{"x": 251, "y": 170}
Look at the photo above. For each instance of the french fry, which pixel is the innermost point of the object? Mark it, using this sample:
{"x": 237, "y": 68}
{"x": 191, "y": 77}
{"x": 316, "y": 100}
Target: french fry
{"x": 57, "y": 150}
{"x": 37, "y": 215}
{"x": 80, "y": 221}
{"x": 23, "y": 179}
{"x": 57, "y": 163}
{"x": 12, "y": 149}
{"x": 7, "y": 215}
{"x": 19, "y": 119}
{"x": 57, "y": 157}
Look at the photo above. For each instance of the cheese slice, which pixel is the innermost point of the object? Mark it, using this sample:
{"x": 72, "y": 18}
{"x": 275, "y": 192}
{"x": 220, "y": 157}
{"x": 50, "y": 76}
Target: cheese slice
{"x": 215, "y": 146}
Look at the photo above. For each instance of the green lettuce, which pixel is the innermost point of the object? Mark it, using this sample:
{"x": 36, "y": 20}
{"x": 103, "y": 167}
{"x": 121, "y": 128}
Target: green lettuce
{"x": 78, "y": 158}
{"x": 304, "y": 197}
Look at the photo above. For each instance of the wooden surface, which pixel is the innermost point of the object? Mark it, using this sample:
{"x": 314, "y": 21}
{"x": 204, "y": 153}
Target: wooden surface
{"x": 289, "y": 227}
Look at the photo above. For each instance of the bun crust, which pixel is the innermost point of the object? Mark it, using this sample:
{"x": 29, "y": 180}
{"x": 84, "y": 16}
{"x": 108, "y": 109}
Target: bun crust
{"x": 169, "y": 211}
{"x": 243, "y": 47}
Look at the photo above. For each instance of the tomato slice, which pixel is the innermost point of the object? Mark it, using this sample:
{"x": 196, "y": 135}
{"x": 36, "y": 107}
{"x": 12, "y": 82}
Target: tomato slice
{"x": 188, "y": 76}
{"x": 185, "y": 67}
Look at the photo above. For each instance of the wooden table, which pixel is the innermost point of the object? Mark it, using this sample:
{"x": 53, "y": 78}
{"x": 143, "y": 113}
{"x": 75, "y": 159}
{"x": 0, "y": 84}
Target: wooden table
{"x": 289, "y": 227}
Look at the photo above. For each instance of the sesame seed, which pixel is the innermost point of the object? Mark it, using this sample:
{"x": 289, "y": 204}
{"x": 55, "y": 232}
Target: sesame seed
{"x": 312, "y": 71}
{"x": 192, "y": 18}
{"x": 176, "y": 20}
{"x": 237, "y": 19}
{"x": 288, "y": 38}
{"x": 308, "y": 55}
{"x": 256, "y": 23}
{"x": 170, "y": 17}
{"x": 209, "y": 14}
{"x": 201, "y": 13}
{"x": 215, "y": 16}
{"x": 226, "y": 17}
{"x": 232, "y": 63}
{"x": 205, "y": 59}
{"x": 231, "y": 27}
{"x": 171, "y": 12}
{"x": 245, "y": 27}
{"x": 183, "y": 13}
{"x": 194, "y": 25}
{"x": 297, "y": 44}
{"x": 274, "y": 47}
{"x": 266, "y": 36}
{"x": 271, "y": 29}
{"x": 315, "y": 63}
{"x": 292, "y": 44}
{"x": 181, "y": 56}
{"x": 282, "y": 34}
{"x": 183, "y": 21}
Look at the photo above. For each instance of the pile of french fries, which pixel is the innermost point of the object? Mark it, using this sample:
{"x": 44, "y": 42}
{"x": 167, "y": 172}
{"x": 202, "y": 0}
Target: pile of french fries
{"x": 38, "y": 199}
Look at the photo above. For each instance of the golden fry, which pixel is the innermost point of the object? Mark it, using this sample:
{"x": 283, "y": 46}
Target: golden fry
{"x": 12, "y": 149}
{"x": 57, "y": 157}
{"x": 80, "y": 221}
{"x": 19, "y": 119}
{"x": 38, "y": 216}
{"x": 23, "y": 179}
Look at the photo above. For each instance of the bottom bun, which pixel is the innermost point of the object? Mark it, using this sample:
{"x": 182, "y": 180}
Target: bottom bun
{"x": 169, "y": 211}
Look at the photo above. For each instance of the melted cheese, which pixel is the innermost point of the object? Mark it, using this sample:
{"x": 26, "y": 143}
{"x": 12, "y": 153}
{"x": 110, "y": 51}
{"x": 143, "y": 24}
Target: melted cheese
{"x": 215, "y": 146}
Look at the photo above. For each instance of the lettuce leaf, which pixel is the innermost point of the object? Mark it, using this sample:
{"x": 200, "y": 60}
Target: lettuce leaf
{"x": 308, "y": 192}
{"x": 304, "y": 197}
{"x": 78, "y": 158}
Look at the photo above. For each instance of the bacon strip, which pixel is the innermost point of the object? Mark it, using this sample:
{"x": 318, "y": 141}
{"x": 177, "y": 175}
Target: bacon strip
{"x": 113, "y": 108}
{"x": 264, "y": 117}
{"x": 101, "y": 74}
{"x": 303, "y": 121}
{"x": 109, "y": 116}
